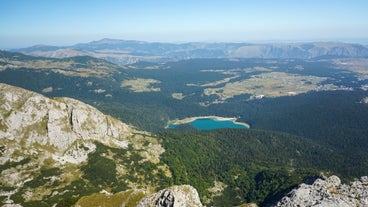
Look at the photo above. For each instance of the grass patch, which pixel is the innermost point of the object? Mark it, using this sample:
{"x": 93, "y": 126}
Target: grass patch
{"x": 100, "y": 170}
{"x": 43, "y": 178}
{"x": 129, "y": 198}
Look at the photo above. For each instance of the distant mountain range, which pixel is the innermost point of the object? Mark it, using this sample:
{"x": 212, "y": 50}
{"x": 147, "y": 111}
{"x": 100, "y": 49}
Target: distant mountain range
{"x": 130, "y": 51}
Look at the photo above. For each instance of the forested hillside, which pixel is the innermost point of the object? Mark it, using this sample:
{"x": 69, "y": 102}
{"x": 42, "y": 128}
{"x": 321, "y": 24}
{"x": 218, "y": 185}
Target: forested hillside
{"x": 250, "y": 165}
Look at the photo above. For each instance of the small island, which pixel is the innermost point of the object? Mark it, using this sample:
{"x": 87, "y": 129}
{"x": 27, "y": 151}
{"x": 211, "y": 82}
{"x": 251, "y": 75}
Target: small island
{"x": 208, "y": 123}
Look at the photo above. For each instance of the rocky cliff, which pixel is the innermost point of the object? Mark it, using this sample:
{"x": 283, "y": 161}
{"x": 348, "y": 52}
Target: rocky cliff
{"x": 328, "y": 192}
{"x": 59, "y": 148}
{"x": 29, "y": 120}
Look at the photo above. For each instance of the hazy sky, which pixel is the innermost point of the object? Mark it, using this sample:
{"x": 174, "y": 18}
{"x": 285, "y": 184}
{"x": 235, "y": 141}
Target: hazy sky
{"x": 66, "y": 22}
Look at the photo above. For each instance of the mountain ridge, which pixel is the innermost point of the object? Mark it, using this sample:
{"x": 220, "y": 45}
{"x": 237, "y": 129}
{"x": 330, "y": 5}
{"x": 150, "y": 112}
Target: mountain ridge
{"x": 131, "y": 51}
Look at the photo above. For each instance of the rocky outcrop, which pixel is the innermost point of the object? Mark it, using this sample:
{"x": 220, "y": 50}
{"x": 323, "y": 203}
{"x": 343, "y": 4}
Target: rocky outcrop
{"x": 62, "y": 124}
{"x": 46, "y": 145}
{"x": 62, "y": 128}
{"x": 328, "y": 193}
{"x": 175, "y": 196}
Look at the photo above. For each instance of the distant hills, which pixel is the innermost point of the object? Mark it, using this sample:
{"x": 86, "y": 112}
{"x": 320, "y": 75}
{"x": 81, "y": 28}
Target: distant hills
{"x": 130, "y": 51}
{"x": 82, "y": 66}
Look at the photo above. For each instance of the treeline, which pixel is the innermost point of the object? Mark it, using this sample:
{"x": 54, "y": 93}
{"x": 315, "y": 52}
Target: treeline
{"x": 257, "y": 166}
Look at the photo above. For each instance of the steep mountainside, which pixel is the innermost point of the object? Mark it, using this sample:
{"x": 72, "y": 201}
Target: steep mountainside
{"x": 57, "y": 150}
{"x": 129, "y": 51}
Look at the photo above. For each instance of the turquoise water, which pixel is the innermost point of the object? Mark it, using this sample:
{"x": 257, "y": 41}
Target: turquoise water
{"x": 210, "y": 124}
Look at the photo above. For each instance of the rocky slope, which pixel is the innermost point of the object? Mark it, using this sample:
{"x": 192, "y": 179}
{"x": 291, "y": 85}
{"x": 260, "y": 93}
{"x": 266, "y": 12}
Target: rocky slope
{"x": 50, "y": 148}
{"x": 328, "y": 192}
{"x": 128, "y": 51}
{"x": 174, "y": 196}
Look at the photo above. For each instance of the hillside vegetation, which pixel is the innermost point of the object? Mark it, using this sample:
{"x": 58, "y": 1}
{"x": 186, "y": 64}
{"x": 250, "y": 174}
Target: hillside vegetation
{"x": 253, "y": 166}
{"x": 306, "y": 117}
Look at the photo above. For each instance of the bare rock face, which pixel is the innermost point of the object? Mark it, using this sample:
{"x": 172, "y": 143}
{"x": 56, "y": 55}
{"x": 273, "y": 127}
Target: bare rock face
{"x": 328, "y": 193}
{"x": 175, "y": 196}
{"x": 63, "y": 129}
{"x": 62, "y": 126}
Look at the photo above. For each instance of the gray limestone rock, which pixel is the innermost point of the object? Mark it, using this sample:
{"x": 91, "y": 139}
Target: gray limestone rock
{"x": 328, "y": 193}
{"x": 175, "y": 196}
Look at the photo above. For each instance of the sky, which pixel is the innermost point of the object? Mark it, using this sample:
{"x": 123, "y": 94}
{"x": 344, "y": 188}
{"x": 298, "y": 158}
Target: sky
{"x": 24, "y": 23}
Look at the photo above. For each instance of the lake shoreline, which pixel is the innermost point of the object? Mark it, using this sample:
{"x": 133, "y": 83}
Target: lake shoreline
{"x": 217, "y": 118}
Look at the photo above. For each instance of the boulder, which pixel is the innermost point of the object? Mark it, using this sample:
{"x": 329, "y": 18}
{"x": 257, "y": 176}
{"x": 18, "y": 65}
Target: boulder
{"x": 175, "y": 196}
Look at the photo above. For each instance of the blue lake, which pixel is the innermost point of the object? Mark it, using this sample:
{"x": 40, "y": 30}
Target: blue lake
{"x": 210, "y": 124}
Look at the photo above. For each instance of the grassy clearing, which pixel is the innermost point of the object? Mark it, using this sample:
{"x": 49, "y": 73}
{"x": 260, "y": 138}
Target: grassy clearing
{"x": 274, "y": 84}
{"x": 141, "y": 85}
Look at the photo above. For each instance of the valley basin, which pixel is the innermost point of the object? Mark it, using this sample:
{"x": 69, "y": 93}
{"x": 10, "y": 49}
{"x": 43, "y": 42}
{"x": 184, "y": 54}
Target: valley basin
{"x": 208, "y": 123}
